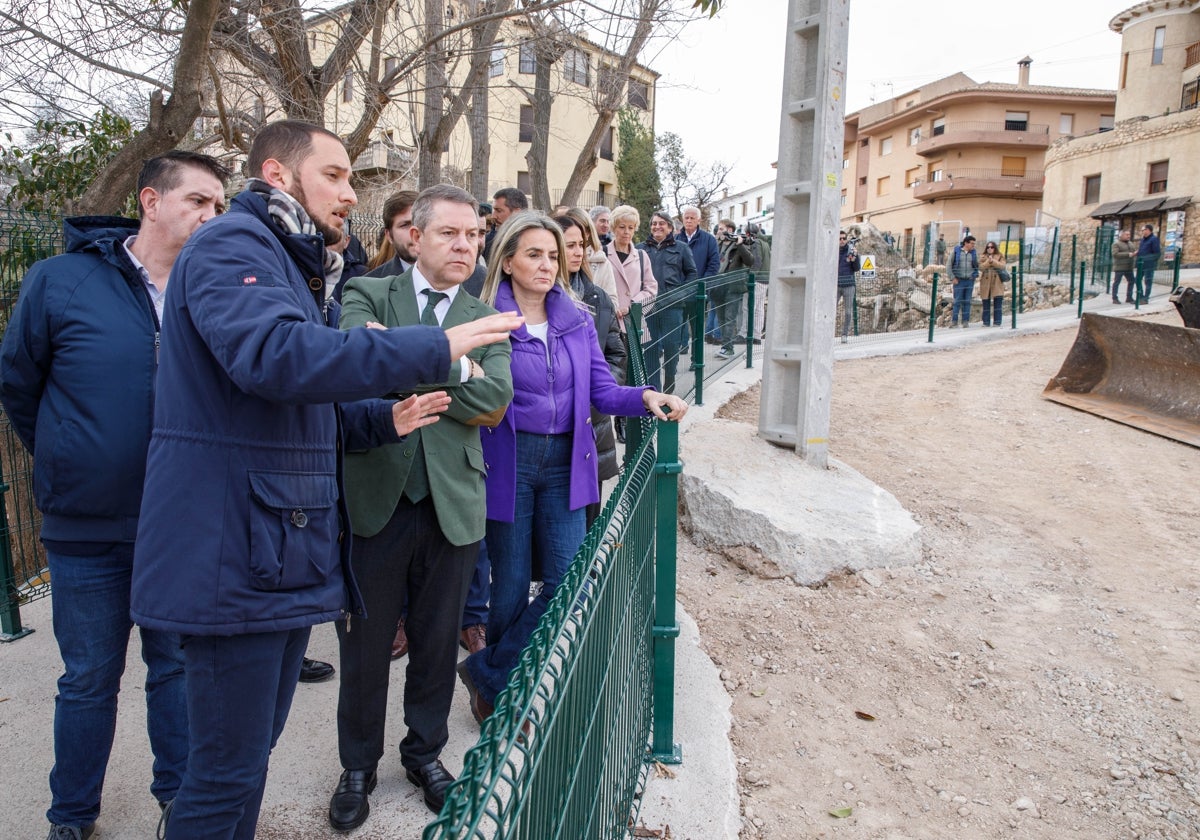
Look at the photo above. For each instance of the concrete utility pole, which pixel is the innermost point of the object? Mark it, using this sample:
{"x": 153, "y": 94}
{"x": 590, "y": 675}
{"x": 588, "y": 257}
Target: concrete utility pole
{"x": 798, "y": 358}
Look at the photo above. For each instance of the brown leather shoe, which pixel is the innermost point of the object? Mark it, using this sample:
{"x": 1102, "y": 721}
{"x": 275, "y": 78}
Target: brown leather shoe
{"x": 481, "y": 709}
{"x": 400, "y": 643}
{"x": 473, "y": 638}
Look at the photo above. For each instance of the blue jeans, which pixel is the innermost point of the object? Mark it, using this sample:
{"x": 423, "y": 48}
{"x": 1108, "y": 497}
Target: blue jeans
{"x": 239, "y": 691}
{"x": 963, "y": 290}
{"x": 1145, "y": 274}
{"x": 669, "y": 336}
{"x": 993, "y": 311}
{"x": 543, "y": 523}
{"x": 476, "y": 610}
{"x": 90, "y": 595}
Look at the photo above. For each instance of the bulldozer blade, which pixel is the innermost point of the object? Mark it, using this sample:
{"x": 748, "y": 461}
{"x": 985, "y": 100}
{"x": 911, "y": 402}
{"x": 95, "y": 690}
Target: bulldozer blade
{"x": 1142, "y": 374}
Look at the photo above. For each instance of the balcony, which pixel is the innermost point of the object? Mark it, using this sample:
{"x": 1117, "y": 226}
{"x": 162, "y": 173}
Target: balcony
{"x": 383, "y": 157}
{"x": 1013, "y": 133}
{"x": 974, "y": 182}
{"x": 1191, "y": 55}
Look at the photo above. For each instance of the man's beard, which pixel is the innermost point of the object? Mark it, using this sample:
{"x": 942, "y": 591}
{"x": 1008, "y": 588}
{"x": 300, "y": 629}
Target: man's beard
{"x": 403, "y": 253}
{"x": 331, "y": 234}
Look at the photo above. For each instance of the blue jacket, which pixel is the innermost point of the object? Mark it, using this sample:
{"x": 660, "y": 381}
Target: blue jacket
{"x": 847, "y": 266}
{"x": 243, "y": 528}
{"x": 578, "y": 365}
{"x": 77, "y": 382}
{"x": 671, "y": 261}
{"x": 1149, "y": 247}
{"x": 706, "y": 252}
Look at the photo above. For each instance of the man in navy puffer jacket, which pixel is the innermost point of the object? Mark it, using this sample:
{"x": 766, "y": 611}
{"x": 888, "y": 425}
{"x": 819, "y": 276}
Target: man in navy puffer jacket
{"x": 243, "y": 542}
{"x": 77, "y": 371}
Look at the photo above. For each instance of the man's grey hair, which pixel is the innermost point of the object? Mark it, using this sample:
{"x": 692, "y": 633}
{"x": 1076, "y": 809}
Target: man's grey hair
{"x": 691, "y": 208}
{"x": 596, "y": 211}
{"x": 423, "y": 206}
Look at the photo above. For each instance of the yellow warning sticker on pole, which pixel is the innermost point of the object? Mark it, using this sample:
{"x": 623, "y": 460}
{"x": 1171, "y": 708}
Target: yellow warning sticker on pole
{"x": 867, "y": 270}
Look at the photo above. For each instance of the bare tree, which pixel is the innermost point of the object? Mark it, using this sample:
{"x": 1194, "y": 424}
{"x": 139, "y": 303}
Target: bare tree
{"x": 685, "y": 181}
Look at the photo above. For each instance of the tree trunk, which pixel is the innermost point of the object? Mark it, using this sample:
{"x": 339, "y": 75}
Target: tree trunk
{"x": 168, "y": 123}
{"x": 539, "y": 149}
{"x": 429, "y": 150}
{"x": 608, "y": 103}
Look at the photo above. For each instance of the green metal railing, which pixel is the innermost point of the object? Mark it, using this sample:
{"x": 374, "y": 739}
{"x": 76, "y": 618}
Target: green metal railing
{"x": 25, "y": 238}
{"x": 591, "y": 700}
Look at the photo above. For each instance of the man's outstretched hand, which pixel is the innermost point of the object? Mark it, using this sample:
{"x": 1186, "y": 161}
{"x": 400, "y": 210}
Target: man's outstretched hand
{"x": 466, "y": 337}
{"x": 419, "y": 410}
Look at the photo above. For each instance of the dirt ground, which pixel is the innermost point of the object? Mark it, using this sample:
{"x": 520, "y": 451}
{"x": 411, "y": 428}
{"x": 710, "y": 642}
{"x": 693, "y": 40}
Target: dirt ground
{"x": 1033, "y": 677}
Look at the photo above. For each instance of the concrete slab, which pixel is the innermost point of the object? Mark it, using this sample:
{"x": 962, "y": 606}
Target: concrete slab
{"x": 699, "y": 801}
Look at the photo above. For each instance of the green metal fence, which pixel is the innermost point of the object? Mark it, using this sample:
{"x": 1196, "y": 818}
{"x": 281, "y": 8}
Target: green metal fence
{"x": 591, "y": 700}
{"x": 25, "y": 238}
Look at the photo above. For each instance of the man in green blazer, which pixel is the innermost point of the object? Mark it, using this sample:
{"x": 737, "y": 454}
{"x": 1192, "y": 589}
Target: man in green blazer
{"x": 417, "y": 511}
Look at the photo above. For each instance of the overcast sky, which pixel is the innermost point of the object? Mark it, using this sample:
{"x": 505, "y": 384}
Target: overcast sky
{"x": 721, "y": 88}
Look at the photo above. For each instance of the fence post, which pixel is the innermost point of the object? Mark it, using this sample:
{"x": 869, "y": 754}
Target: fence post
{"x": 698, "y": 316}
{"x": 1175, "y": 269}
{"x": 751, "y": 290}
{"x": 1082, "y": 274}
{"x": 666, "y": 629}
{"x": 10, "y": 606}
{"x": 933, "y": 301}
{"x": 1016, "y": 293}
{"x": 1052, "y": 269}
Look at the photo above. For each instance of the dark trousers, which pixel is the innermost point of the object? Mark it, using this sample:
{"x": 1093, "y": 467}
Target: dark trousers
{"x": 1125, "y": 274}
{"x": 409, "y": 558}
{"x": 239, "y": 692}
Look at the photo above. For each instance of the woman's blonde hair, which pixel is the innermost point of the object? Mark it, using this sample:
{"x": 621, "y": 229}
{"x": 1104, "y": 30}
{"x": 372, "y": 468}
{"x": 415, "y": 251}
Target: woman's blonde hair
{"x": 624, "y": 212}
{"x": 505, "y": 247}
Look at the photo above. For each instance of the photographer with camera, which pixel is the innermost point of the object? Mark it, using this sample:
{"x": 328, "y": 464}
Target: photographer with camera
{"x": 847, "y": 270}
{"x": 727, "y": 298}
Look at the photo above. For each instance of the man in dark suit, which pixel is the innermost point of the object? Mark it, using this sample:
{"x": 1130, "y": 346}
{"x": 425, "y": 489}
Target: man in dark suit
{"x": 417, "y": 512}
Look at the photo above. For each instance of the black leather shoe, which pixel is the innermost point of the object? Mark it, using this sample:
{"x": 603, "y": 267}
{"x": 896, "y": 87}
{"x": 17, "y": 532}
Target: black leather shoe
{"x": 433, "y": 779}
{"x": 349, "y": 808}
{"x": 314, "y": 671}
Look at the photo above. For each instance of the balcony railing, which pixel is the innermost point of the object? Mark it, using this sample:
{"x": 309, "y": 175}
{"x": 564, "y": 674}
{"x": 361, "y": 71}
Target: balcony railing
{"x": 1191, "y": 55}
{"x": 383, "y": 156}
{"x": 1007, "y": 133}
{"x": 999, "y": 182}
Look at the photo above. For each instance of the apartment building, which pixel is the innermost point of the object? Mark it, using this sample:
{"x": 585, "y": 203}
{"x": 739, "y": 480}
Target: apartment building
{"x": 752, "y": 206}
{"x": 391, "y": 156}
{"x": 958, "y": 153}
{"x": 1147, "y": 170}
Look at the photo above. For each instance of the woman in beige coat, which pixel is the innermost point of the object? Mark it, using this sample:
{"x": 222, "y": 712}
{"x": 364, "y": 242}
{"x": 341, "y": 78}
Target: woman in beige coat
{"x": 991, "y": 284}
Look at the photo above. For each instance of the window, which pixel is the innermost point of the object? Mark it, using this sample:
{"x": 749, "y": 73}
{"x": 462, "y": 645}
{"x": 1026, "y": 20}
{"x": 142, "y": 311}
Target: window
{"x": 1066, "y": 123}
{"x": 1158, "y": 177}
{"x": 865, "y": 143}
{"x": 607, "y": 79}
{"x": 1016, "y": 120}
{"x": 606, "y": 144}
{"x": 390, "y": 64}
{"x": 1091, "y": 189}
{"x": 1012, "y": 167}
{"x": 348, "y": 87}
{"x": 885, "y": 146}
{"x": 639, "y": 94}
{"x": 576, "y": 67}
{"x": 496, "y": 65}
{"x": 914, "y": 136}
{"x": 758, "y": 204}
{"x": 938, "y": 127}
{"x": 862, "y": 182}
{"x": 527, "y": 59}
{"x": 1191, "y": 96}
{"x": 744, "y": 205}
{"x": 912, "y": 177}
{"x": 933, "y": 172}
{"x": 602, "y": 193}
{"x": 1160, "y": 39}
{"x": 1106, "y": 122}
{"x": 883, "y": 185}
{"x": 524, "y": 184}
{"x": 845, "y": 163}
{"x": 525, "y": 132}
{"x": 843, "y": 198}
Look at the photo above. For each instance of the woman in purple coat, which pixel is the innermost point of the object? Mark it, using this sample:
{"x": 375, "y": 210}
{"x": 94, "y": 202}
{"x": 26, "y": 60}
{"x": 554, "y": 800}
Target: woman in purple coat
{"x": 541, "y": 459}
